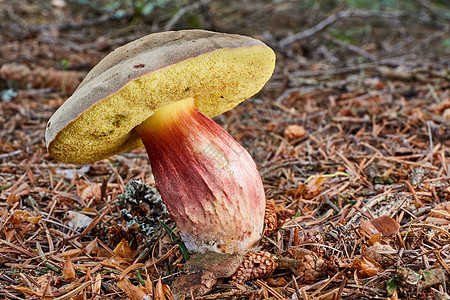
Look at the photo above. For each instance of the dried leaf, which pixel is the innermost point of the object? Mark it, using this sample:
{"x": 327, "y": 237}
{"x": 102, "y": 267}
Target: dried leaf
{"x": 16, "y": 192}
{"x": 294, "y": 132}
{"x": 18, "y": 217}
{"x": 384, "y": 225}
{"x": 366, "y": 266}
{"x": 369, "y": 228}
{"x": 133, "y": 292}
{"x": 70, "y": 253}
{"x": 163, "y": 292}
{"x": 34, "y": 220}
{"x": 71, "y": 173}
{"x": 96, "y": 289}
{"x": 77, "y": 220}
{"x": 440, "y": 214}
{"x": 69, "y": 270}
{"x": 148, "y": 283}
{"x": 380, "y": 253}
{"x": 124, "y": 250}
{"x": 312, "y": 188}
{"x": 277, "y": 282}
{"x": 374, "y": 238}
{"x": 92, "y": 247}
{"x": 23, "y": 289}
{"x": 116, "y": 262}
{"x": 88, "y": 192}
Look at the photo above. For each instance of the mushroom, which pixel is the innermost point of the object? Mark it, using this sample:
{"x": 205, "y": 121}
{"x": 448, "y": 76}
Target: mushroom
{"x": 161, "y": 92}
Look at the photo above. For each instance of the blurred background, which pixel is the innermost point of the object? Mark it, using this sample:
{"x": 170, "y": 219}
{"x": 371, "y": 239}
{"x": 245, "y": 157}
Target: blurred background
{"x": 354, "y": 124}
{"x": 73, "y": 35}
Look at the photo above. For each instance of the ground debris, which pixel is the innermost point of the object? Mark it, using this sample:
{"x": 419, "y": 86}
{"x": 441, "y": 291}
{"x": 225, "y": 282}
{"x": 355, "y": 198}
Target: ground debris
{"x": 351, "y": 137}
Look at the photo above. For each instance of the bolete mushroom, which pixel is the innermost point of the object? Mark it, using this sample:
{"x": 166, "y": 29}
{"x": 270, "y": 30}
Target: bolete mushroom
{"x": 160, "y": 92}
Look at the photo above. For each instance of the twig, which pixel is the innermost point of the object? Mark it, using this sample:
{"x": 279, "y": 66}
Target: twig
{"x": 413, "y": 193}
{"x": 176, "y": 17}
{"x": 93, "y": 223}
{"x": 334, "y": 71}
{"x": 434, "y": 10}
{"x": 272, "y": 291}
{"x": 10, "y": 154}
{"x": 75, "y": 291}
{"x": 343, "y": 14}
{"x": 351, "y": 47}
{"x": 430, "y": 138}
{"x": 325, "y": 284}
{"x": 441, "y": 261}
{"x": 26, "y": 252}
{"x": 78, "y": 26}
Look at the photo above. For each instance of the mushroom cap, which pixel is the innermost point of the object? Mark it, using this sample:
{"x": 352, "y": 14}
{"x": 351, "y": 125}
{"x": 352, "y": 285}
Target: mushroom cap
{"x": 218, "y": 70}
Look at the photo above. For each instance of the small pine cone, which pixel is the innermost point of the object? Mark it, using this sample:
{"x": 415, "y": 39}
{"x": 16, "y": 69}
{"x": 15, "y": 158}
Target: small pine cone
{"x": 270, "y": 218}
{"x": 312, "y": 268}
{"x": 255, "y": 265}
{"x": 332, "y": 265}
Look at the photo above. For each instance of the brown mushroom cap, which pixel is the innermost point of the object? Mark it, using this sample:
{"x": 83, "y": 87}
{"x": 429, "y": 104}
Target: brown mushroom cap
{"x": 218, "y": 70}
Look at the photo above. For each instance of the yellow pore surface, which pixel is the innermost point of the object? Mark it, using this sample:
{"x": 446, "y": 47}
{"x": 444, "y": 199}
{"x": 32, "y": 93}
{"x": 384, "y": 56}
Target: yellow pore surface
{"x": 218, "y": 81}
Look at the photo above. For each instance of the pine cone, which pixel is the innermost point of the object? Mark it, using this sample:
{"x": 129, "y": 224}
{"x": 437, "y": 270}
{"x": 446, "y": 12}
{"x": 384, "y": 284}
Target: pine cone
{"x": 270, "y": 218}
{"x": 255, "y": 265}
{"x": 312, "y": 268}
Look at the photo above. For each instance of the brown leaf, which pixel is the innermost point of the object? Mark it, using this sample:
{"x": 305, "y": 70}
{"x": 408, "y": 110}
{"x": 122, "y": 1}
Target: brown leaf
{"x": 441, "y": 211}
{"x": 70, "y": 253}
{"x": 97, "y": 286}
{"x": 23, "y": 289}
{"x": 294, "y": 132}
{"x": 77, "y": 220}
{"x": 90, "y": 192}
{"x": 16, "y": 192}
{"x": 18, "y": 217}
{"x": 133, "y": 292}
{"x": 368, "y": 227}
{"x": 163, "y": 292}
{"x": 148, "y": 283}
{"x": 201, "y": 272}
{"x": 124, "y": 250}
{"x": 384, "y": 225}
{"x": 366, "y": 266}
{"x": 380, "y": 253}
{"x": 277, "y": 282}
{"x": 34, "y": 220}
{"x": 69, "y": 270}
{"x": 374, "y": 238}
{"x": 312, "y": 188}
{"x": 92, "y": 247}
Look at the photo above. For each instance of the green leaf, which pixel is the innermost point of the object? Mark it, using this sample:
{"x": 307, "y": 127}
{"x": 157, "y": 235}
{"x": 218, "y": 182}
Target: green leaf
{"x": 391, "y": 286}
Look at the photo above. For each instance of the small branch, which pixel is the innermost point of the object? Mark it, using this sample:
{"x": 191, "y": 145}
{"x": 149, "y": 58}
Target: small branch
{"x": 343, "y": 14}
{"x": 87, "y": 23}
{"x": 10, "y": 154}
{"x": 352, "y": 48}
{"x": 185, "y": 10}
{"x": 334, "y": 71}
{"x": 433, "y": 9}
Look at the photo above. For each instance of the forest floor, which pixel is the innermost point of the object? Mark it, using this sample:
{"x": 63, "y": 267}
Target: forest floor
{"x": 351, "y": 137}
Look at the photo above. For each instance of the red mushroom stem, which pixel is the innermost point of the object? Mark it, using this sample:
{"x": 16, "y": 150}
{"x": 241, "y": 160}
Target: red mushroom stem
{"x": 208, "y": 181}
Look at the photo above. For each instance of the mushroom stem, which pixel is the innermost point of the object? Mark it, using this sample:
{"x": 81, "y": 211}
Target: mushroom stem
{"x": 208, "y": 181}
